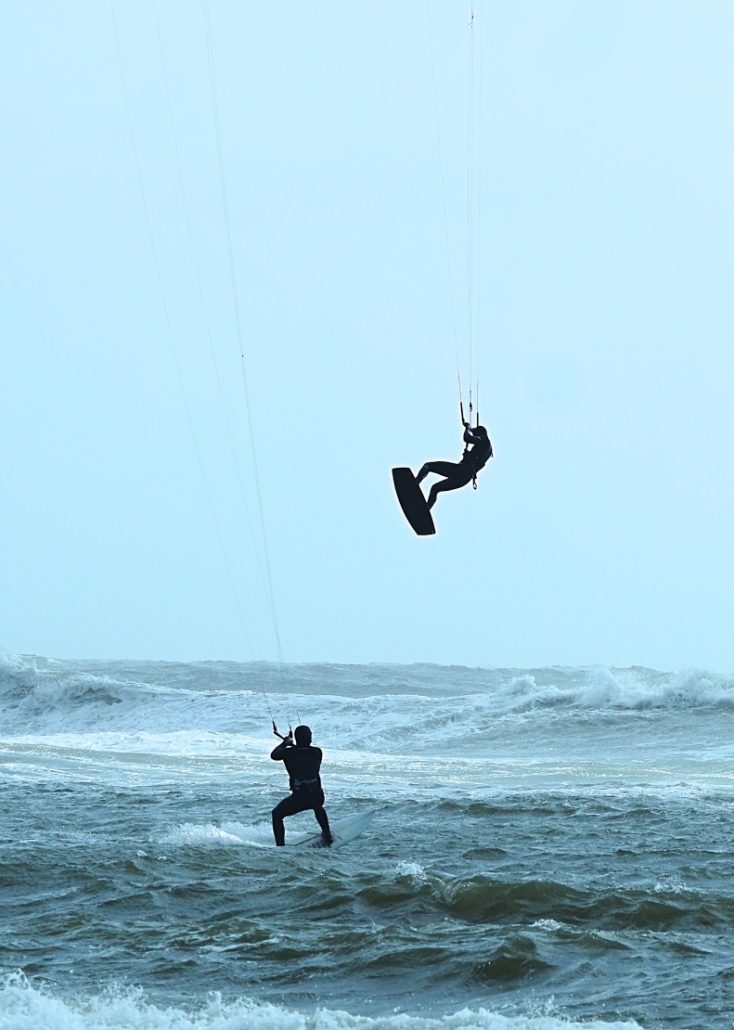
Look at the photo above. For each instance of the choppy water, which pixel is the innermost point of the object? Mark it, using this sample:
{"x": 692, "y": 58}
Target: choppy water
{"x": 552, "y": 847}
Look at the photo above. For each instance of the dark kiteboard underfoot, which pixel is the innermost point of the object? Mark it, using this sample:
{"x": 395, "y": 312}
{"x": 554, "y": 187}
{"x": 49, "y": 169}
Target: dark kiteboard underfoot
{"x": 412, "y": 501}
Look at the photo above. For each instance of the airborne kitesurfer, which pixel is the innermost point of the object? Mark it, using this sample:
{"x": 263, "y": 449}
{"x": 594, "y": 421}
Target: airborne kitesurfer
{"x": 303, "y": 762}
{"x": 476, "y": 454}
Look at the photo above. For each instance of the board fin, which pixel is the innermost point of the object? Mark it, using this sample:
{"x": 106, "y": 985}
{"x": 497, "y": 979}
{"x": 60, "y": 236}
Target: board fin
{"x": 414, "y": 505}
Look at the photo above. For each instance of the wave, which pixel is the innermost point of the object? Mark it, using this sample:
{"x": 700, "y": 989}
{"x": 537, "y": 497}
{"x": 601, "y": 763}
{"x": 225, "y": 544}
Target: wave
{"x": 517, "y": 958}
{"x": 25, "y": 1006}
{"x": 373, "y": 705}
{"x": 35, "y": 687}
{"x": 487, "y": 901}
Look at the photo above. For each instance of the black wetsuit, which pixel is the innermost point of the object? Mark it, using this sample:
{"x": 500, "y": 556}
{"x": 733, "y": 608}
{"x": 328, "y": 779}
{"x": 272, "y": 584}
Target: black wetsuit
{"x": 303, "y": 765}
{"x": 476, "y": 454}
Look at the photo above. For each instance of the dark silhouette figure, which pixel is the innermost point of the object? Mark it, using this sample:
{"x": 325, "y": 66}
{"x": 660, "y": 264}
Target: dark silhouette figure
{"x": 303, "y": 763}
{"x": 476, "y": 454}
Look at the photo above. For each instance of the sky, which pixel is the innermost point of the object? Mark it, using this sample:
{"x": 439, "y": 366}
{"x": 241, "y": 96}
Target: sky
{"x": 186, "y": 181}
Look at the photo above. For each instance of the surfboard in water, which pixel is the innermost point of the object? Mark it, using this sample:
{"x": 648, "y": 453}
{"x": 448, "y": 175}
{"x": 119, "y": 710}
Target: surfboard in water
{"x": 412, "y": 501}
{"x": 342, "y": 830}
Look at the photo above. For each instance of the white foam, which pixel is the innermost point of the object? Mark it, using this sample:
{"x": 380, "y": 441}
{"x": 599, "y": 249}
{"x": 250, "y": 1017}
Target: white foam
{"x": 412, "y": 870}
{"x": 209, "y": 834}
{"x": 25, "y": 1007}
{"x": 672, "y": 888}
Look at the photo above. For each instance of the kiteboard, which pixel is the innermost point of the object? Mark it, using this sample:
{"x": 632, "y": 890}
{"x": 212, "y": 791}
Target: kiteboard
{"x": 342, "y": 830}
{"x": 413, "y": 502}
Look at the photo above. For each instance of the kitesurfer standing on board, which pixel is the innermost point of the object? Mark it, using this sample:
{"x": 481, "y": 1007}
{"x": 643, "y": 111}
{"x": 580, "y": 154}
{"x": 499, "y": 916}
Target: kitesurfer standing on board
{"x": 476, "y": 454}
{"x": 303, "y": 762}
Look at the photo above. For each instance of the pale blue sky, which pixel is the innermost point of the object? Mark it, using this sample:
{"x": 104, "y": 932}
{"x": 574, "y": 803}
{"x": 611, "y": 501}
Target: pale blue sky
{"x": 601, "y": 532}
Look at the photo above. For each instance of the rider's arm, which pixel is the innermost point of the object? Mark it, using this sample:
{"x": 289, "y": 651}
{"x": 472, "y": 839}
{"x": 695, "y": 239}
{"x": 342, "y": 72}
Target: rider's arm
{"x": 278, "y": 753}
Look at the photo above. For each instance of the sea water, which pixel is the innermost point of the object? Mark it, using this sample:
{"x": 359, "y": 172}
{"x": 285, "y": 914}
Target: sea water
{"x": 552, "y": 848}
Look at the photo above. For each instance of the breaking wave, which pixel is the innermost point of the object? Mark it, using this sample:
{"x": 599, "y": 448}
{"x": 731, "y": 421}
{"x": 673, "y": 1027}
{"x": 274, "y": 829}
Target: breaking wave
{"x": 24, "y": 1006}
{"x": 38, "y": 693}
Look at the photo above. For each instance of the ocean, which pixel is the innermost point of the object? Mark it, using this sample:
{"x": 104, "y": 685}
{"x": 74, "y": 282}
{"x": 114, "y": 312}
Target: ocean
{"x": 551, "y": 848}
